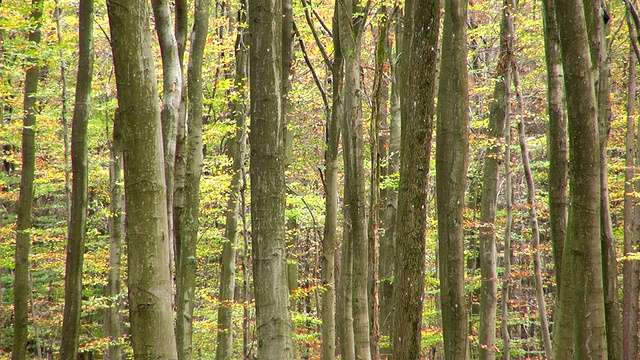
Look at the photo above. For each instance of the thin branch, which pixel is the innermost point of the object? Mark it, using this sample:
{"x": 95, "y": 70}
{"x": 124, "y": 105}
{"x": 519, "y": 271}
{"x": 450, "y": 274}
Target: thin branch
{"x": 306, "y": 6}
{"x": 316, "y": 79}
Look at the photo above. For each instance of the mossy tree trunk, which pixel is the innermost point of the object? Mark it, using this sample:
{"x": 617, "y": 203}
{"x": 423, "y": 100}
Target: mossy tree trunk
{"x": 452, "y": 143}
{"x": 417, "y": 69}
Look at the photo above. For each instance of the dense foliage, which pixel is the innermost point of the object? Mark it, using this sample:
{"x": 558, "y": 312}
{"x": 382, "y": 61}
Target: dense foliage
{"x": 304, "y": 173}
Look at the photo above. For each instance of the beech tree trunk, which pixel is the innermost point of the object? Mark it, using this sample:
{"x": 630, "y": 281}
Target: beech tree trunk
{"x": 274, "y": 327}
{"x": 452, "y": 143}
{"x": 236, "y": 149}
{"x": 112, "y": 317}
{"x": 350, "y": 23}
{"x": 389, "y": 195}
{"x": 418, "y": 86}
{"x": 598, "y": 30}
{"x": 330, "y": 238}
{"x": 581, "y": 327}
{"x": 558, "y": 162}
{"x": 630, "y": 267}
{"x": 79, "y": 167}
{"x": 172, "y": 86}
{"x": 187, "y": 260}
{"x": 533, "y": 220}
{"x": 499, "y": 111}
{"x": 150, "y": 285}
{"x": 21, "y": 289}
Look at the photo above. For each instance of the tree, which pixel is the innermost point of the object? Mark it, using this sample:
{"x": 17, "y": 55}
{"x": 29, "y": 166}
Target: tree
{"x": 630, "y": 267}
{"x": 499, "y": 111}
{"x": 25, "y": 202}
{"x": 596, "y": 13}
{"x": 172, "y": 86}
{"x": 330, "y": 233}
{"x": 558, "y": 163}
{"x": 274, "y": 328}
{"x": 418, "y": 86}
{"x": 79, "y": 165}
{"x": 580, "y": 326}
{"x": 150, "y": 295}
{"x": 236, "y": 148}
{"x": 186, "y": 275}
{"x": 112, "y": 317}
{"x": 389, "y": 195}
{"x": 452, "y": 143}
{"x": 351, "y": 19}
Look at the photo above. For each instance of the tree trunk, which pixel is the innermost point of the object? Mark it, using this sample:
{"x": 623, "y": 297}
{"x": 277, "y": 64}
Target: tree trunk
{"x": 79, "y": 168}
{"x": 500, "y": 110}
{"x": 378, "y": 143}
{"x": 581, "y": 331}
{"x": 350, "y": 25}
{"x": 533, "y": 219}
{"x": 187, "y": 258}
{"x": 273, "y": 326}
{"x": 508, "y": 223}
{"x": 236, "y": 148}
{"x": 172, "y": 86}
{"x": 389, "y": 195}
{"x": 452, "y": 142}
{"x": 630, "y": 267}
{"x": 330, "y": 238}
{"x": 558, "y": 163}
{"x": 112, "y": 318}
{"x": 598, "y": 30}
{"x": 21, "y": 289}
{"x": 150, "y": 290}
{"x": 418, "y": 86}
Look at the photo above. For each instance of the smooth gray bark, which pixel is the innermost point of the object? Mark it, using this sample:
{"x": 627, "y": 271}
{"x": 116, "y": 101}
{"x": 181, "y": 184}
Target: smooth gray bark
{"x": 274, "y": 327}
{"x": 150, "y": 285}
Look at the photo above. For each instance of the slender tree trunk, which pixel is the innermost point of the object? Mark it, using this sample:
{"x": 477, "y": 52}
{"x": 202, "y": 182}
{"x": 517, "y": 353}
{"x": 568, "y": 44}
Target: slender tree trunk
{"x": 533, "y": 220}
{"x": 180, "y": 165}
{"x": 452, "y": 142}
{"x": 378, "y": 143}
{"x": 350, "y": 25}
{"x": 330, "y": 238}
{"x": 172, "y": 86}
{"x": 389, "y": 195}
{"x": 79, "y": 166}
{"x": 558, "y": 162}
{"x": 187, "y": 257}
{"x": 236, "y": 149}
{"x": 581, "y": 323}
{"x": 598, "y": 29}
{"x": 267, "y": 181}
{"x": 500, "y": 110}
{"x": 508, "y": 223}
{"x": 630, "y": 267}
{"x": 150, "y": 290}
{"x": 112, "y": 318}
{"x": 21, "y": 289}
{"x": 418, "y": 86}
{"x": 63, "y": 113}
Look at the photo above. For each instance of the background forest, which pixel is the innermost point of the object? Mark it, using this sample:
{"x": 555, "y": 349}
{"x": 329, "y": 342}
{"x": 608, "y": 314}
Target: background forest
{"x": 304, "y": 216}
